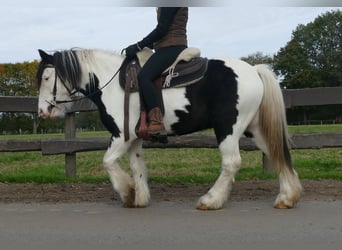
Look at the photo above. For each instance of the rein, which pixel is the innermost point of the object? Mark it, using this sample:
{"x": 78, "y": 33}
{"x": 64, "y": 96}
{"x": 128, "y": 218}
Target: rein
{"x": 54, "y": 102}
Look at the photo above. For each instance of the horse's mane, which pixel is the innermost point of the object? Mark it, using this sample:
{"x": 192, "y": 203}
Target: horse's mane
{"x": 71, "y": 64}
{"x": 68, "y": 66}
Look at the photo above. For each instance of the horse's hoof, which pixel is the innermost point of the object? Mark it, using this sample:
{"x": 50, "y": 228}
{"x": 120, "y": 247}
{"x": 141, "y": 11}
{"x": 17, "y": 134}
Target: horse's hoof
{"x": 201, "y": 206}
{"x": 128, "y": 200}
{"x": 131, "y": 205}
{"x": 128, "y": 205}
{"x": 140, "y": 206}
{"x": 282, "y": 205}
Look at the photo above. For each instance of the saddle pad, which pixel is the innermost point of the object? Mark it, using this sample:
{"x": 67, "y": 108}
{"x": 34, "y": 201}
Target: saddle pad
{"x": 185, "y": 73}
{"x": 186, "y": 55}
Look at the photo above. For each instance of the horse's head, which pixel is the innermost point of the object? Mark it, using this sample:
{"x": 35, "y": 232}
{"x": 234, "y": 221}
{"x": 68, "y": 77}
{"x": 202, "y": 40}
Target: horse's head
{"x": 54, "y": 86}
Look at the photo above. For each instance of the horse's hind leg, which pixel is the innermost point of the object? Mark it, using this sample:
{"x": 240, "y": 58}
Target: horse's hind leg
{"x": 289, "y": 184}
{"x": 121, "y": 181}
{"x": 231, "y": 162}
{"x": 139, "y": 171}
{"x": 290, "y": 189}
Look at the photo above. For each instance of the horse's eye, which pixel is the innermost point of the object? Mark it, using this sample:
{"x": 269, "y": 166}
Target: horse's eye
{"x": 46, "y": 78}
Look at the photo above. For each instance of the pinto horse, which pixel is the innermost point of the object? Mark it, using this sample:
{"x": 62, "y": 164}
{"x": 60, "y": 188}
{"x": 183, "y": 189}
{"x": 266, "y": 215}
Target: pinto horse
{"x": 234, "y": 98}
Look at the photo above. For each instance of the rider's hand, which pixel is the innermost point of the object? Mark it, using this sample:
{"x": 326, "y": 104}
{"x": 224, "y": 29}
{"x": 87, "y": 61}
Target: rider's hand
{"x": 132, "y": 50}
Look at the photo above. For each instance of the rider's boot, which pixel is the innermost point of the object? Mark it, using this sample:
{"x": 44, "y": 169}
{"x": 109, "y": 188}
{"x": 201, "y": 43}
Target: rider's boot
{"x": 156, "y": 127}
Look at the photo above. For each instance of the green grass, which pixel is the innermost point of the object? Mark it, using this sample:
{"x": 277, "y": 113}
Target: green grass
{"x": 315, "y": 129}
{"x": 167, "y": 165}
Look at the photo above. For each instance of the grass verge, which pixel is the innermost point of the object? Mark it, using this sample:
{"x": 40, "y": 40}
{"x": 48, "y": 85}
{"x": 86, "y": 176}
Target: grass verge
{"x": 167, "y": 165}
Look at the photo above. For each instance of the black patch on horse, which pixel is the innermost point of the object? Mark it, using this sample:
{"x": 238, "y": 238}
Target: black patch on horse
{"x": 94, "y": 93}
{"x": 213, "y": 103}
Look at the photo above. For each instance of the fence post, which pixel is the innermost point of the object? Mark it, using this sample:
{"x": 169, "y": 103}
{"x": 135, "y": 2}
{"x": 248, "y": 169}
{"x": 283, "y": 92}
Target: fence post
{"x": 265, "y": 163}
{"x": 70, "y": 158}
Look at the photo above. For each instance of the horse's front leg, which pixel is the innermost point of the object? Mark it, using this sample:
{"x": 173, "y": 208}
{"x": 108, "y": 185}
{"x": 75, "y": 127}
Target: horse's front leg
{"x": 121, "y": 181}
{"x": 139, "y": 171}
{"x": 231, "y": 162}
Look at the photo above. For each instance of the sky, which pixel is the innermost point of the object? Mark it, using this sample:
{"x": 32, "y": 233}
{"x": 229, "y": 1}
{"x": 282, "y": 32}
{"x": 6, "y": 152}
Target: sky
{"x": 219, "y": 29}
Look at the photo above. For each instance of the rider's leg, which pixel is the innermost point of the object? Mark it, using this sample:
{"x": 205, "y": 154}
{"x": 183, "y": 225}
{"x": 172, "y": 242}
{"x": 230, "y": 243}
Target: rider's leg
{"x": 153, "y": 68}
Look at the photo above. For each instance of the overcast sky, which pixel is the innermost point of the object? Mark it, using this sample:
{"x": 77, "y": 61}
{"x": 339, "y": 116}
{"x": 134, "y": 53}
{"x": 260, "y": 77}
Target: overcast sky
{"x": 231, "y": 30}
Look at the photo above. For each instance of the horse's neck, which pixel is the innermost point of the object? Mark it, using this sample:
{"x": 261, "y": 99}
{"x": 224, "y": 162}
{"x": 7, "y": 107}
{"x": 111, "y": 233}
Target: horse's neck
{"x": 104, "y": 65}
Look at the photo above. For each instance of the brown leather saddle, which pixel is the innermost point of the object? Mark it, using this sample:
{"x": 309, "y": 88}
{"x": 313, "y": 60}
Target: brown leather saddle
{"x": 188, "y": 69}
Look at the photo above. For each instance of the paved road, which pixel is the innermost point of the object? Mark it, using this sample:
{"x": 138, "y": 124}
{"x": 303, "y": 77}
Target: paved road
{"x": 168, "y": 225}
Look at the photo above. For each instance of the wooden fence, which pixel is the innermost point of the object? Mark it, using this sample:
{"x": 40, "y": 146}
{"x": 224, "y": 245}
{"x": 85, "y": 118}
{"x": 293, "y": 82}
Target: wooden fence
{"x": 71, "y": 145}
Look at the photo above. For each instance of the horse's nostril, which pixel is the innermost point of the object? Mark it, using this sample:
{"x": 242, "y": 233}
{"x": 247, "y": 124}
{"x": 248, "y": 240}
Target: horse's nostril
{"x": 50, "y": 108}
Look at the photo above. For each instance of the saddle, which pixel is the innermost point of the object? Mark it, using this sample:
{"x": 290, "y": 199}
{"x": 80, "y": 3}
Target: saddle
{"x": 187, "y": 69}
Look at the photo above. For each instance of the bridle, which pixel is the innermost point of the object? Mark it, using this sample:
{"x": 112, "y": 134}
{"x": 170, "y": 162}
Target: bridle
{"x": 72, "y": 92}
{"x": 54, "y": 102}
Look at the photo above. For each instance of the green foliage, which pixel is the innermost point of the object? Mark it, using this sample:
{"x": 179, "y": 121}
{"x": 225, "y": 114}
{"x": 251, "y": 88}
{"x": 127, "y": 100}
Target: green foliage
{"x": 89, "y": 121}
{"x": 313, "y": 57}
{"x": 18, "y": 79}
{"x": 16, "y": 122}
{"x": 258, "y": 58}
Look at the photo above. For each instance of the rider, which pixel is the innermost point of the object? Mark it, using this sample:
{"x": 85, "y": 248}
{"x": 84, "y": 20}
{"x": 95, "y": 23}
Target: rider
{"x": 168, "y": 40}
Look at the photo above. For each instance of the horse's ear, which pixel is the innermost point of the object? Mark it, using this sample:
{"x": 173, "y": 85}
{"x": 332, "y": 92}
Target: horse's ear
{"x": 45, "y": 56}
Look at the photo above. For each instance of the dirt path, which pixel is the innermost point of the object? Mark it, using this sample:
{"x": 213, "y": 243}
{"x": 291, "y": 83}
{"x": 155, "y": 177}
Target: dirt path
{"x": 169, "y": 225}
{"x": 82, "y": 216}
{"x": 242, "y": 191}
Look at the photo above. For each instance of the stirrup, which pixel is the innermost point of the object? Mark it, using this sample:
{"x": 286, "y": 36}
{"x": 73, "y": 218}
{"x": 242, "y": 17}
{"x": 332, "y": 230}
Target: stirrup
{"x": 159, "y": 136}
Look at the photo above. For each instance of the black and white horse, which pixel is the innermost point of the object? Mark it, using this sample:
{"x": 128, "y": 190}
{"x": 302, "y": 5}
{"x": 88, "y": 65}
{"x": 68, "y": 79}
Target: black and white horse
{"x": 233, "y": 98}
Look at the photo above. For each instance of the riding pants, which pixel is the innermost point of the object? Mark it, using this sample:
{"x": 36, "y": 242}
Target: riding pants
{"x": 153, "y": 68}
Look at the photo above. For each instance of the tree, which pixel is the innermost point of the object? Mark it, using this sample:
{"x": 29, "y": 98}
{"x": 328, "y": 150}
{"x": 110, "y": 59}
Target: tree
{"x": 258, "y": 58}
{"x": 18, "y": 79}
{"x": 89, "y": 121}
{"x": 313, "y": 57}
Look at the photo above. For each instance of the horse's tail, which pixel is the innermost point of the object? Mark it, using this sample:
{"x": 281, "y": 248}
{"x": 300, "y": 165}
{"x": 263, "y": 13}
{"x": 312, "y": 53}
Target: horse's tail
{"x": 273, "y": 128}
{"x": 272, "y": 120}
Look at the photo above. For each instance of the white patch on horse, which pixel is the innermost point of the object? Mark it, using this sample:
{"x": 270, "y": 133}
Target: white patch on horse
{"x": 174, "y": 99}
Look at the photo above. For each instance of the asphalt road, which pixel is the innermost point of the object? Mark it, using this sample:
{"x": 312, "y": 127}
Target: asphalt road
{"x": 170, "y": 225}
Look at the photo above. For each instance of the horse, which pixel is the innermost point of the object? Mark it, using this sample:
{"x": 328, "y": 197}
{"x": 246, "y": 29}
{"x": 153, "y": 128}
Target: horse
{"x": 233, "y": 98}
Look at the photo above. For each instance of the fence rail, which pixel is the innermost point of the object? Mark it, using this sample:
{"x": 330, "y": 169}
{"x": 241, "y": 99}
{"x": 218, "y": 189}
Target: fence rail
{"x": 71, "y": 145}
{"x": 292, "y": 98}
{"x": 74, "y": 145}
